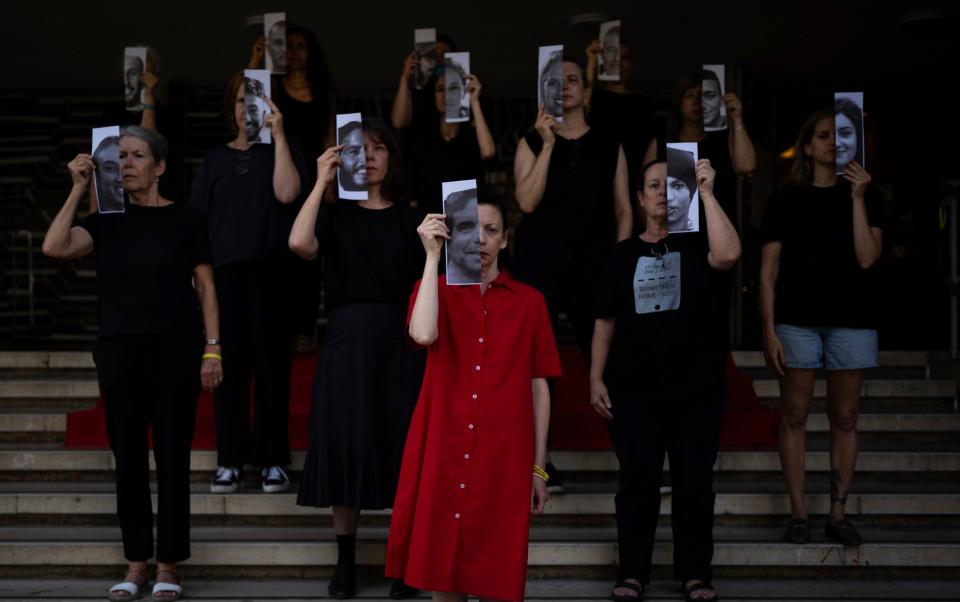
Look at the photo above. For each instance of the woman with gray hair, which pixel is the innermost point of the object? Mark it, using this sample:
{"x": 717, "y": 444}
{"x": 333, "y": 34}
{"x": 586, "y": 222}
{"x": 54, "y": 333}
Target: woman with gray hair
{"x": 154, "y": 285}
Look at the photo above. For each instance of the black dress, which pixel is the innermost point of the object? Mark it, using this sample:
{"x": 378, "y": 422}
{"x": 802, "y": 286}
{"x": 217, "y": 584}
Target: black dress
{"x": 368, "y": 374}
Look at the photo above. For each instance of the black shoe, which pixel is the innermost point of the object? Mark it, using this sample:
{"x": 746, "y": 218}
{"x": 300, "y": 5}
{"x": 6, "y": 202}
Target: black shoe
{"x": 843, "y": 532}
{"x": 554, "y": 483}
{"x": 274, "y": 479}
{"x": 798, "y": 532}
{"x": 401, "y": 591}
{"x": 344, "y": 583}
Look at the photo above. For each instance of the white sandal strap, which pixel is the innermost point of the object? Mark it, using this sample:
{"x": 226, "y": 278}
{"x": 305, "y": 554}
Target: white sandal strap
{"x": 127, "y": 586}
{"x": 167, "y": 587}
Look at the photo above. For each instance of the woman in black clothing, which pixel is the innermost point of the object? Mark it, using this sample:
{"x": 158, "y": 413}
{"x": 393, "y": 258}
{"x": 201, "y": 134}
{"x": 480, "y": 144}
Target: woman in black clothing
{"x": 657, "y": 375}
{"x": 153, "y": 263}
{"x": 247, "y": 191}
{"x": 821, "y": 235}
{"x": 368, "y": 376}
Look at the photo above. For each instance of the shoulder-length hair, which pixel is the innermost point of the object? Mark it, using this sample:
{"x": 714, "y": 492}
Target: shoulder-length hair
{"x": 393, "y": 186}
{"x": 674, "y": 117}
{"x": 229, "y": 101}
{"x": 801, "y": 165}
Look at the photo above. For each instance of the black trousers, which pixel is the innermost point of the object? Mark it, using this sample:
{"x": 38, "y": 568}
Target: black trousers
{"x": 688, "y": 431}
{"x": 151, "y": 382}
{"x": 564, "y": 272}
{"x": 256, "y": 332}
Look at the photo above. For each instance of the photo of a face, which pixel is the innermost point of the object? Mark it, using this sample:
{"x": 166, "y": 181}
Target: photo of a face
{"x": 609, "y": 64}
{"x": 683, "y": 208}
{"x": 425, "y": 44}
{"x": 275, "y": 30}
{"x": 714, "y": 111}
{"x": 134, "y": 63}
{"x": 352, "y": 173}
{"x": 550, "y": 81}
{"x": 108, "y": 177}
{"x": 848, "y": 107}
{"x": 455, "y": 96}
{"x": 255, "y": 108}
{"x": 463, "y": 220}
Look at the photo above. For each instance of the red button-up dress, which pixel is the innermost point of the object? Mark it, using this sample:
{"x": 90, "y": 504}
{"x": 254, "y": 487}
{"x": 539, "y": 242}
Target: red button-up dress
{"x": 461, "y": 518}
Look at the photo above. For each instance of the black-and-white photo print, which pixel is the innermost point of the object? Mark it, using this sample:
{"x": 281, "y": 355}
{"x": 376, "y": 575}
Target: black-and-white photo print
{"x": 683, "y": 198}
{"x": 608, "y": 68}
{"x": 550, "y": 81}
{"x": 255, "y": 107}
{"x": 107, "y": 177}
{"x": 849, "y": 129}
{"x": 455, "y": 96}
{"x": 275, "y": 30}
{"x": 463, "y": 220}
{"x": 425, "y": 44}
{"x": 352, "y": 173}
{"x": 134, "y": 64}
{"x": 714, "y": 110}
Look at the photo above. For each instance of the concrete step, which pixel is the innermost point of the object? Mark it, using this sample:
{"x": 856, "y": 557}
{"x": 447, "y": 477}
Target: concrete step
{"x": 575, "y": 461}
{"x": 549, "y": 546}
{"x": 49, "y": 389}
{"x": 887, "y": 359}
{"x": 375, "y": 588}
{"x": 586, "y": 504}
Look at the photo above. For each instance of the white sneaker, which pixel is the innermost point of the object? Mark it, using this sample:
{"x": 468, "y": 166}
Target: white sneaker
{"x": 226, "y": 481}
{"x": 273, "y": 479}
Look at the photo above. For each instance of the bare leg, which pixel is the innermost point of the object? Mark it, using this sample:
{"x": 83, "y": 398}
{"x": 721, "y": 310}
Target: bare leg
{"x": 796, "y": 391}
{"x": 843, "y": 406}
{"x": 136, "y": 573}
{"x": 345, "y": 520}
{"x": 166, "y": 573}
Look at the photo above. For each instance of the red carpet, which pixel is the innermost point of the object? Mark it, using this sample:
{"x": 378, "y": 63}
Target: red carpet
{"x": 574, "y": 425}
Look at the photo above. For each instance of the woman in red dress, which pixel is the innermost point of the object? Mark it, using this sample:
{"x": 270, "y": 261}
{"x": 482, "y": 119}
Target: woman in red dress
{"x": 469, "y": 481}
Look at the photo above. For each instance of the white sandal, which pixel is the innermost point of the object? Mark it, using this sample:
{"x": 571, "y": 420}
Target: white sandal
{"x": 133, "y": 591}
{"x": 162, "y": 587}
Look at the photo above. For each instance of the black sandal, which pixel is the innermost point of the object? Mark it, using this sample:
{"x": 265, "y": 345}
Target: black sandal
{"x": 798, "y": 532}
{"x": 843, "y": 532}
{"x": 627, "y": 598}
{"x": 699, "y": 586}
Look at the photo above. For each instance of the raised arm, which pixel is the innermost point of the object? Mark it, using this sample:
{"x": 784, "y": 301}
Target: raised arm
{"x": 148, "y": 118}
{"x": 303, "y": 235}
{"x": 488, "y": 149}
{"x": 426, "y": 308}
{"x": 529, "y": 170}
{"x": 722, "y": 239}
{"x": 63, "y": 240}
{"x": 286, "y": 178}
{"x": 867, "y": 240}
{"x": 402, "y": 112}
{"x": 742, "y": 154}
{"x": 603, "y": 330}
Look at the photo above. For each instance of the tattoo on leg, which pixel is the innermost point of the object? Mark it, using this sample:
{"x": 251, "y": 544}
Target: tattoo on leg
{"x": 835, "y": 481}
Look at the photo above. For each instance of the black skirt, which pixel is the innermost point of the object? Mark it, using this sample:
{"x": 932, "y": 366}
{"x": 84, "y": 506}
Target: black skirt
{"x": 367, "y": 382}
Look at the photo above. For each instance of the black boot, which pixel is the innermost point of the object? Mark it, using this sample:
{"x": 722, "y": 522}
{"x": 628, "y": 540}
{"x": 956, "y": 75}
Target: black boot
{"x": 344, "y": 582}
{"x": 401, "y": 591}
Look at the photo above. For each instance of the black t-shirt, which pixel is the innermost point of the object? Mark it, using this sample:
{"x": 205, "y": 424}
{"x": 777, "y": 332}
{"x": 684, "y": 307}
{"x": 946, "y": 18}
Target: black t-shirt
{"x": 820, "y": 282}
{"x": 307, "y": 123}
{"x": 145, "y": 261}
{"x": 667, "y": 307}
{"x": 627, "y": 118}
{"x": 372, "y": 255}
{"x": 578, "y": 200}
{"x": 431, "y": 160}
{"x": 235, "y": 190}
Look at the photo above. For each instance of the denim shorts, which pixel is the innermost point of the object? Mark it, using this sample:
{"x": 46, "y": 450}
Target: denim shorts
{"x": 833, "y": 348}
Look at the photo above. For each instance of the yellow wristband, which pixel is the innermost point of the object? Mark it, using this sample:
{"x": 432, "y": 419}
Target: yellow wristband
{"x": 540, "y": 472}
{"x": 213, "y": 356}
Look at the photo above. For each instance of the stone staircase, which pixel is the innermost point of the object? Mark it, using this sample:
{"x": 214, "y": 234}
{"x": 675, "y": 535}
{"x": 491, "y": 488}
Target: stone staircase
{"x": 57, "y": 505}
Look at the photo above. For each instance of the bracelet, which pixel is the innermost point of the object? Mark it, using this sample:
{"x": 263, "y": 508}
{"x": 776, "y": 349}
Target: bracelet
{"x": 213, "y": 341}
{"x": 540, "y": 473}
{"x": 213, "y": 356}
{"x": 148, "y": 107}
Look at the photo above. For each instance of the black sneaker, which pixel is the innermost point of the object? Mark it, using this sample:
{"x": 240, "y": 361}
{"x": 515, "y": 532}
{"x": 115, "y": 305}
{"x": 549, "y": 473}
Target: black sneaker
{"x": 843, "y": 532}
{"x": 343, "y": 586}
{"x": 274, "y": 479}
{"x": 554, "y": 483}
{"x": 401, "y": 591}
{"x": 798, "y": 532}
{"x": 226, "y": 481}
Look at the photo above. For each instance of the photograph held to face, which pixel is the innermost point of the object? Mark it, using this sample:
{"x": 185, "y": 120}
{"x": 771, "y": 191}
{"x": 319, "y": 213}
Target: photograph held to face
{"x": 134, "y": 64}
{"x": 255, "y": 107}
{"x": 425, "y": 45}
{"x": 683, "y": 207}
{"x": 463, "y": 248}
{"x": 550, "y": 81}
{"x": 275, "y": 30}
{"x": 108, "y": 177}
{"x": 455, "y": 95}
{"x": 609, "y": 60}
{"x": 849, "y": 128}
{"x": 714, "y": 109}
{"x": 352, "y": 173}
